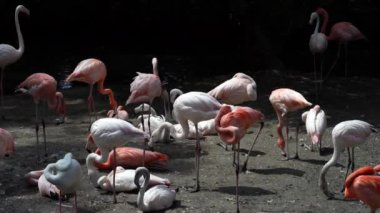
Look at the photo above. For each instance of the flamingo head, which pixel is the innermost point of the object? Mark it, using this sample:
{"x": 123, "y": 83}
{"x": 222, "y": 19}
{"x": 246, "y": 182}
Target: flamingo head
{"x": 321, "y": 11}
{"x": 313, "y": 16}
{"x": 23, "y": 9}
{"x": 317, "y": 108}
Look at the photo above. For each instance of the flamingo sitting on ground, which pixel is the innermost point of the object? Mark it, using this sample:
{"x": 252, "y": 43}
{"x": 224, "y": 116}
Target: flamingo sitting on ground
{"x": 343, "y": 32}
{"x": 47, "y": 189}
{"x": 66, "y": 175}
{"x": 345, "y": 135}
{"x": 7, "y": 143}
{"x": 109, "y": 133}
{"x": 119, "y": 113}
{"x": 194, "y": 107}
{"x": 92, "y": 71}
{"x": 364, "y": 185}
{"x": 43, "y": 87}
{"x": 129, "y": 157}
{"x": 9, "y": 54}
{"x": 316, "y": 123}
{"x": 157, "y": 198}
{"x": 240, "y": 88}
{"x": 231, "y": 127}
{"x": 286, "y": 100}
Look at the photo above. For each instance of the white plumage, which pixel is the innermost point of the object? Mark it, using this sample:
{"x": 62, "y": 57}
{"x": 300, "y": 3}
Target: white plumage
{"x": 315, "y": 120}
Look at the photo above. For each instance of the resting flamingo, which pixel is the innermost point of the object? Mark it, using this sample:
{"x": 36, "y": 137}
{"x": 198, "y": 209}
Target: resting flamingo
{"x": 107, "y": 134}
{"x": 157, "y": 198}
{"x": 119, "y": 113}
{"x": 240, "y": 88}
{"x": 345, "y": 135}
{"x": 66, "y": 175}
{"x": 194, "y": 107}
{"x": 316, "y": 123}
{"x": 9, "y": 54}
{"x": 7, "y": 143}
{"x": 231, "y": 126}
{"x": 286, "y": 100}
{"x": 364, "y": 185}
{"x": 343, "y": 32}
{"x": 92, "y": 71}
{"x": 43, "y": 87}
{"x": 47, "y": 189}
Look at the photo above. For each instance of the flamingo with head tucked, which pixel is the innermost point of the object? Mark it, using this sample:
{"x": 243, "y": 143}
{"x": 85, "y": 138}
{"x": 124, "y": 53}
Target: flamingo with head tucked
{"x": 286, "y": 100}
{"x": 92, "y": 71}
{"x": 231, "y": 126}
{"x": 119, "y": 113}
{"x": 43, "y": 87}
{"x": 7, "y": 143}
{"x": 9, "y": 54}
{"x": 45, "y": 188}
{"x": 65, "y": 174}
{"x": 345, "y": 135}
{"x": 316, "y": 123}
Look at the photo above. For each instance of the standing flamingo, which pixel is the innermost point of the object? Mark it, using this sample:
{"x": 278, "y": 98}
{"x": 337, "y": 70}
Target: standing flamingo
{"x": 7, "y": 143}
{"x": 240, "y": 88}
{"x": 316, "y": 123}
{"x": 43, "y": 87}
{"x": 286, "y": 100}
{"x": 9, "y": 54}
{"x": 157, "y": 198}
{"x": 44, "y": 187}
{"x": 231, "y": 127}
{"x": 364, "y": 185}
{"x": 92, "y": 71}
{"x": 345, "y": 135}
{"x": 109, "y": 133}
{"x": 65, "y": 174}
{"x": 343, "y": 32}
{"x": 194, "y": 107}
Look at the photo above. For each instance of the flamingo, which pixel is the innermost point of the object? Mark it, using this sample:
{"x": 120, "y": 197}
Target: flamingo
{"x": 145, "y": 109}
{"x": 145, "y": 87}
{"x": 119, "y": 113}
{"x": 92, "y": 71}
{"x": 194, "y": 107}
{"x": 9, "y": 54}
{"x": 364, "y": 185}
{"x": 286, "y": 100}
{"x": 45, "y": 188}
{"x": 65, "y": 174}
{"x": 343, "y": 32}
{"x": 129, "y": 157}
{"x": 240, "y": 88}
{"x": 345, "y": 135}
{"x": 155, "y": 122}
{"x": 7, "y": 143}
{"x": 107, "y": 134}
{"x": 174, "y": 93}
{"x": 157, "y": 198}
{"x": 231, "y": 126}
{"x": 316, "y": 123}
{"x": 43, "y": 87}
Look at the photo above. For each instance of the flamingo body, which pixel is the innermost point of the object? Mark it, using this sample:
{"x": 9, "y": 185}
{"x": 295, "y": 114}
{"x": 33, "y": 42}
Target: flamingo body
{"x": 45, "y": 188}
{"x": 316, "y": 123}
{"x": 7, "y": 143}
{"x": 119, "y": 113}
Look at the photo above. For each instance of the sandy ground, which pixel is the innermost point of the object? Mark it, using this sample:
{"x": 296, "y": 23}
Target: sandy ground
{"x": 270, "y": 185}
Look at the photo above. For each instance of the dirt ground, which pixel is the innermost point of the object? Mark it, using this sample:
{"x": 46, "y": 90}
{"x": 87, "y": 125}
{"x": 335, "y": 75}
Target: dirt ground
{"x": 270, "y": 185}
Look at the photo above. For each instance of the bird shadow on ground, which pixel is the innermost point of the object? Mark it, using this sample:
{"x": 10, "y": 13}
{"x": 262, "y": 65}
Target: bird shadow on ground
{"x": 244, "y": 190}
{"x": 313, "y": 161}
{"x": 253, "y": 152}
{"x": 279, "y": 171}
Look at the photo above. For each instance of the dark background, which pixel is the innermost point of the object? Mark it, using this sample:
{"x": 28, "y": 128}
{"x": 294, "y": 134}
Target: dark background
{"x": 202, "y": 37}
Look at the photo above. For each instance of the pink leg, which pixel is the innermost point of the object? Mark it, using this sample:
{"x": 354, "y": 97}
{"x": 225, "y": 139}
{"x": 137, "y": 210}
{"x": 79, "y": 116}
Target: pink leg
{"x": 90, "y": 102}
{"x": 37, "y": 128}
{"x": 237, "y": 168}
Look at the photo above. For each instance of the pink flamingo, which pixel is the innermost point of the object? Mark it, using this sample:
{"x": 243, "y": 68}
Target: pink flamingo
{"x": 92, "y": 71}
{"x": 107, "y": 134}
{"x": 7, "y": 143}
{"x": 119, "y": 113}
{"x": 364, "y": 185}
{"x": 343, "y": 32}
{"x": 37, "y": 178}
{"x": 345, "y": 135}
{"x": 129, "y": 157}
{"x": 316, "y": 123}
{"x": 9, "y": 54}
{"x": 43, "y": 87}
{"x": 231, "y": 126}
{"x": 194, "y": 107}
{"x": 240, "y": 88}
{"x": 144, "y": 88}
{"x": 286, "y": 100}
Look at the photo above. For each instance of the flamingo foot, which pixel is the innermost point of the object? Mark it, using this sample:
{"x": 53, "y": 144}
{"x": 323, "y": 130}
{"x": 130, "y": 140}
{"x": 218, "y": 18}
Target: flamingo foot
{"x": 284, "y": 156}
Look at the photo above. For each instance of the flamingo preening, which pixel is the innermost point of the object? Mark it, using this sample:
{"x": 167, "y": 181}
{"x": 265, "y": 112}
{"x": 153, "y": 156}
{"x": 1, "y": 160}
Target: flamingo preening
{"x": 316, "y": 123}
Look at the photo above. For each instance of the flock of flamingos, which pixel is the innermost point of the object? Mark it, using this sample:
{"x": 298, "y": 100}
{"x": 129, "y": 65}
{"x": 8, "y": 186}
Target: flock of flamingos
{"x": 197, "y": 115}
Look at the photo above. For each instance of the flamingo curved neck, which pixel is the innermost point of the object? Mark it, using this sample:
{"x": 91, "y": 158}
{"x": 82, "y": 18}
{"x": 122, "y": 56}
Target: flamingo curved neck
{"x": 140, "y": 197}
{"x": 174, "y": 93}
{"x": 21, "y": 47}
{"x": 109, "y": 92}
{"x": 317, "y": 25}
{"x": 93, "y": 172}
{"x": 322, "y": 176}
{"x": 325, "y": 20}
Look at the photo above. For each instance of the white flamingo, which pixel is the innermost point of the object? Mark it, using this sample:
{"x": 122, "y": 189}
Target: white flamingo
{"x": 145, "y": 109}
{"x": 65, "y": 174}
{"x": 315, "y": 120}
{"x": 9, "y": 54}
{"x": 345, "y": 135}
{"x": 157, "y": 198}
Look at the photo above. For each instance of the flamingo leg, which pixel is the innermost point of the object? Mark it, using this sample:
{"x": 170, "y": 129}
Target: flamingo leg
{"x": 114, "y": 175}
{"x": 143, "y": 126}
{"x": 244, "y": 168}
{"x": 321, "y": 70}
{"x": 353, "y": 160}
{"x": 287, "y": 143}
{"x": 315, "y": 78}
{"x": 348, "y": 166}
{"x": 345, "y": 59}
{"x": 44, "y": 134}
{"x": 234, "y": 155}
{"x": 60, "y": 202}
{"x": 335, "y": 62}
{"x": 90, "y": 103}
{"x": 37, "y": 128}
{"x": 75, "y": 202}
{"x": 197, "y": 155}
{"x": 237, "y": 168}
{"x": 150, "y": 133}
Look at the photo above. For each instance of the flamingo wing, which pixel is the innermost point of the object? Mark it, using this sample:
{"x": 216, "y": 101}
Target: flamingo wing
{"x": 159, "y": 197}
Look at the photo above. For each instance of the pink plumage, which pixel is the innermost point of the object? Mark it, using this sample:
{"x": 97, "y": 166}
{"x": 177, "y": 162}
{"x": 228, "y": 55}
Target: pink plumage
{"x": 7, "y": 143}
